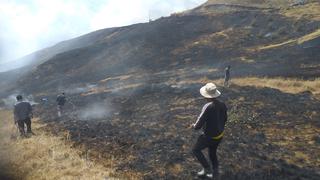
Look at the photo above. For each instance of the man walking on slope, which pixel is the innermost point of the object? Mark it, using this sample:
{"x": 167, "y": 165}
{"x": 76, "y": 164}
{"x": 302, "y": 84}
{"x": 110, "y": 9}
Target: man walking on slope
{"x": 22, "y": 115}
{"x": 212, "y": 119}
{"x": 61, "y": 100}
{"x": 227, "y": 76}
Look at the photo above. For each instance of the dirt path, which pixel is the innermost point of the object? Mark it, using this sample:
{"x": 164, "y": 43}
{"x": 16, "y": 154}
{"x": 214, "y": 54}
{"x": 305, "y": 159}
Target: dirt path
{"x": 42, "y": 156}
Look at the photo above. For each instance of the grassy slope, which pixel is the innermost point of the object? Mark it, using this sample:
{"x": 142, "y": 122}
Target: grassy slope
{"x": 43, "y": 156}
{"x": 308, "y": 37}
{"x": 288, "y": 85}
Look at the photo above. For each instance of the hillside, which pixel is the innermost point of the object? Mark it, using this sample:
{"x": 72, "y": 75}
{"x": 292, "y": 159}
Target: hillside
{"x": 133, "y": 90}
{"x": 198, "y": 40}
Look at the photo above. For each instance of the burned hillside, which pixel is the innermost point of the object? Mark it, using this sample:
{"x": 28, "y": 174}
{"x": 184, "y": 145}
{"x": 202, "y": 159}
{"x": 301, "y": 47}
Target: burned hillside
{"x": 201, "y": 40}
{"x": 133, "y": 91}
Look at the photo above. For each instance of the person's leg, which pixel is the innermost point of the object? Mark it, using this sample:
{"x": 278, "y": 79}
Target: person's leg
{"x": 28, "y": 123}
{"x": 212, "y": 151}
{"x": 21, "y": 127}
{"x": 59, "y": 110}
{"x": 197, "y": 151}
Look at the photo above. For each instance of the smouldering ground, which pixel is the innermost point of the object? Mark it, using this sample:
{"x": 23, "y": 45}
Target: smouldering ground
{"x": 42, "y": 156}
{"x": 272, "y": 132}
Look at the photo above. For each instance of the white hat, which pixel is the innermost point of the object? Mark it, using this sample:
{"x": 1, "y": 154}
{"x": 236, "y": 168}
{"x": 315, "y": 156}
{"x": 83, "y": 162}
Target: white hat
{"x": 210, "y": 91}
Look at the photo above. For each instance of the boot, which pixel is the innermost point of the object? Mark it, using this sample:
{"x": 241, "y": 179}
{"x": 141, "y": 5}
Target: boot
{"x": 203, "y": 172}
{"x": 30, "y": 133}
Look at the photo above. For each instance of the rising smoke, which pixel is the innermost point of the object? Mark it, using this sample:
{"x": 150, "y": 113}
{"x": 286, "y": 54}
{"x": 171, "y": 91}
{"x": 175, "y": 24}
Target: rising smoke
{"x": 95, "y": 111}
{"x": 10, "y": 101}
{"x": 77, "y": 89}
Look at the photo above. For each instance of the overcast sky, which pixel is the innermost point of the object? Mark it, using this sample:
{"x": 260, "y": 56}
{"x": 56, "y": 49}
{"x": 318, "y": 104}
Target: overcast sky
{"x": 30, "y": 25}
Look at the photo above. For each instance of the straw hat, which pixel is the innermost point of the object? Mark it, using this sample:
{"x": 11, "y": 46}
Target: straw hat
{"x": 210, "y": 91}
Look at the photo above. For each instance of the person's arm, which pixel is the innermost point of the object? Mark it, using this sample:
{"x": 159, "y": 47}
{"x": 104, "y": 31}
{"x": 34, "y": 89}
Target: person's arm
{"x": 15, "y": 115}
{"x": 225, "y": 113}
{"x": 202, "y": 118}
{"x": 30, "y": 111}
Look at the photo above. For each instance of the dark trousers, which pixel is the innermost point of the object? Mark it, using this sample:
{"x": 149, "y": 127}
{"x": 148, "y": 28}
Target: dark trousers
{"x": 212, "y": 145}
{"x": 21, "y": 126}
{"x": 226, "y": 82}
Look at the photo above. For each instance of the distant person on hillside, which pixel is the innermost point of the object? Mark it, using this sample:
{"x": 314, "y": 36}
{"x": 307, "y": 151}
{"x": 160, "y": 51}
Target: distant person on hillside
{"x": 22, "y": 115}
{"x": 227, "y": 76}
{"x": 61, "y": 100}
{"x": 212, "y": 120}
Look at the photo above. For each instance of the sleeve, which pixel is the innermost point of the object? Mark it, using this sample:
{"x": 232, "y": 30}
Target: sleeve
{"x": 202, "y": 118}
{"x": 15, "y": 116}
{"x": 30, "y": 110}
{"x": 225, "y": 113}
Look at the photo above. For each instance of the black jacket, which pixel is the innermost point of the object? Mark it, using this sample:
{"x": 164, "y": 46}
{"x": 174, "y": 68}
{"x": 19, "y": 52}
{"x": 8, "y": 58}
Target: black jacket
{"x": 22, "y": 111}
{"x": 61, "y": 100}
{"x": 212, "y": 118}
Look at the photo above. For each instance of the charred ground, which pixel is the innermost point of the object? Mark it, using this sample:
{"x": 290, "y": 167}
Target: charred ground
{"x": 148, "y": 77}
{"x": 270, "y": 134}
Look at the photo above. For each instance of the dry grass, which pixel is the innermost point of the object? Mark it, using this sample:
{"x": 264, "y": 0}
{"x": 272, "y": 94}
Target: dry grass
{"x": 288, "y": 85}
{"x": 300, "y": 40}
{"x": 43, "y": 156}
{"x": 309, "y": 11}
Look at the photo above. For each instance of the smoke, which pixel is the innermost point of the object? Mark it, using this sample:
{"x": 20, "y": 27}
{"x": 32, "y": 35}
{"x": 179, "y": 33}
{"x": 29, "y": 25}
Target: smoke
{"x": 78, "y": 89}
{"x": 95, "y": 111}
{"x": 27, "y": 26}
{"x": 10, "y": 101}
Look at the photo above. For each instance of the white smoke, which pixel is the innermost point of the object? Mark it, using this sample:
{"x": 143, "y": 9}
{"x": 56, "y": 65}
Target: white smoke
{"x": 94, "y": 111}
{"x": 11, "y": 100}
{"x": 79, "y": 89}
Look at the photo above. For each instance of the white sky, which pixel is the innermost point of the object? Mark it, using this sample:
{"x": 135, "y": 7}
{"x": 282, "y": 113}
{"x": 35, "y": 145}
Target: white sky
{"x": 30, "y": 25}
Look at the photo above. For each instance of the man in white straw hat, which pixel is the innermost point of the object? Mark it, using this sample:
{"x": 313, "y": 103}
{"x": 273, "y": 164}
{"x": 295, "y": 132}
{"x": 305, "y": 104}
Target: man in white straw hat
{"x": 212, "y": 120}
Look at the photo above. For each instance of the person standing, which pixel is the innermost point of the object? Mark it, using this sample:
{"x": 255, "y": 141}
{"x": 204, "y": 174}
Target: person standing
{"x": 212, "y": 120}
{"x": 61, "y": 100}
{"x": 22, "y": 115}
{"x": 227, "y": 76}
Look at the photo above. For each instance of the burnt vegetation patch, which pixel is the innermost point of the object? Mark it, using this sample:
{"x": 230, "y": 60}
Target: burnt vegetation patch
{"x": 148, "y": 132}
{"x": 133, "y": 91}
